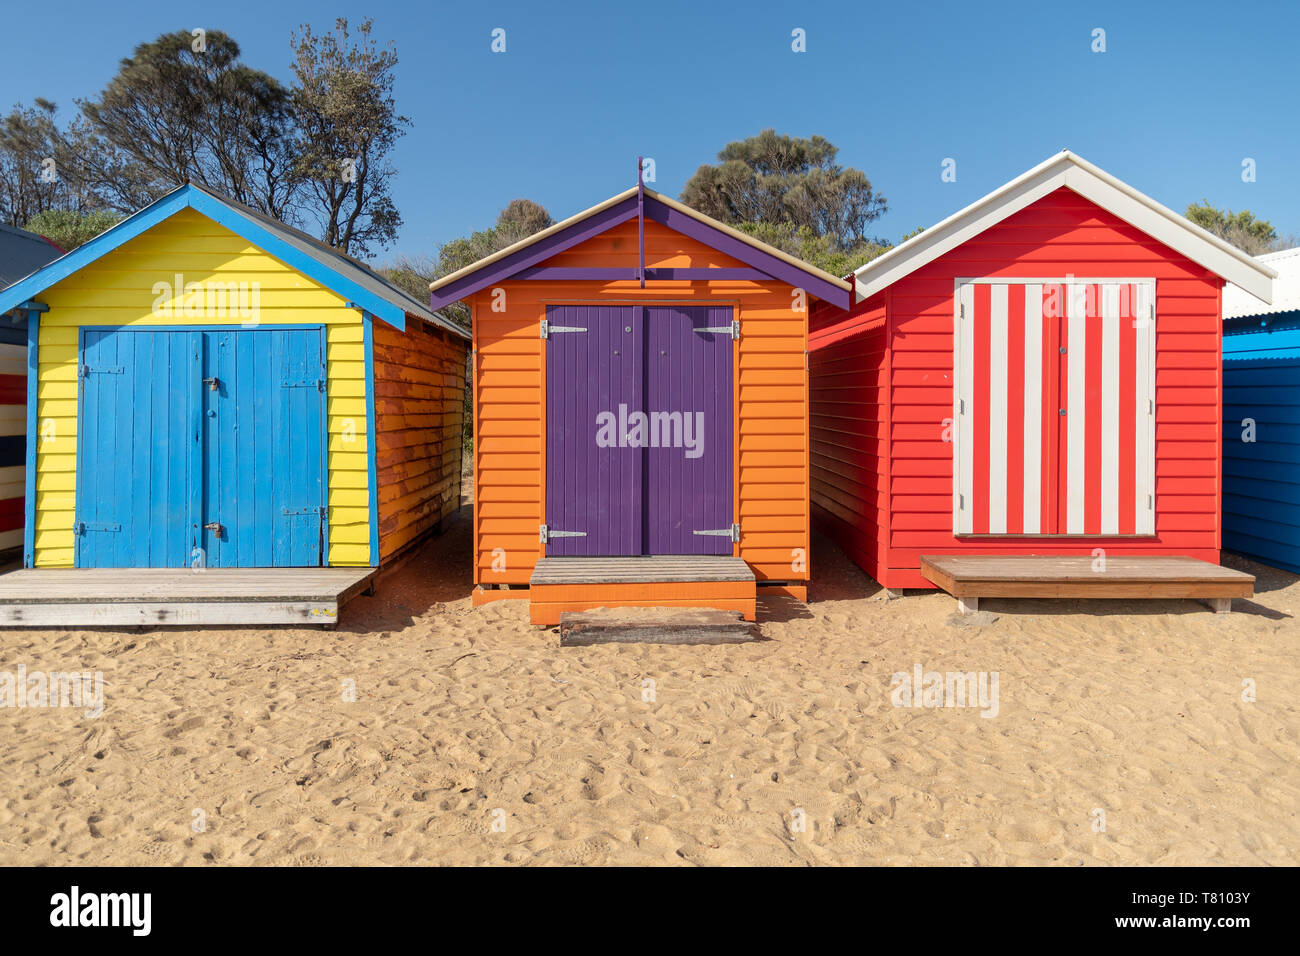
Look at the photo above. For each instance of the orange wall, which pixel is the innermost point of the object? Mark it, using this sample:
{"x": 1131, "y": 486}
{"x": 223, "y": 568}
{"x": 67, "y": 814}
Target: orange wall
{"x": 509, "y": 413}
{"x": 419, "y": 418}
{"x": 1061, "y": 234}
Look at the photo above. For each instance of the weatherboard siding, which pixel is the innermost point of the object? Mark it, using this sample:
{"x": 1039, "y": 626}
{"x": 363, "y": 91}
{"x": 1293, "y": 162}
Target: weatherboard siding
{"x": 1261, "y": 478}
{"x": 1060, "y": 235}
{"x": 117, "y": 289}
{"x": 419, "y": 412}
{"x": 771, "y": 408}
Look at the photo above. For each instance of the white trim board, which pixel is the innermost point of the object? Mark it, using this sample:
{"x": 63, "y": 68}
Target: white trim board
{"x": 1065, "y": 169}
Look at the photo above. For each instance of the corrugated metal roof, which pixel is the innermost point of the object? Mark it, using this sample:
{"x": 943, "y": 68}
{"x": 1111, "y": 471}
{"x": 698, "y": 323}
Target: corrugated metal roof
{"x": 1286, "y": 288}
{"x": 22, "y": 253}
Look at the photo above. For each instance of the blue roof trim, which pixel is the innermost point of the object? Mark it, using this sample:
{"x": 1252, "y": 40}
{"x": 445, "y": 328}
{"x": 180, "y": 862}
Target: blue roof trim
{"x": 193, "y": 198}
{"x": 101, "y": 245}
{"x": 255, "y": 233}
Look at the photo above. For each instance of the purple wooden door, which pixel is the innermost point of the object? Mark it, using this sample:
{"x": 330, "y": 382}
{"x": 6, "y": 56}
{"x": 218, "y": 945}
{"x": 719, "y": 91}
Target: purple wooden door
{"x": 594, "y": 476}
{"x": 689, "y": 502}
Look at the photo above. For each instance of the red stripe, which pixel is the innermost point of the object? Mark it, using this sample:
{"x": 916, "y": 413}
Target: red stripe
{"x": 11, "y": 514}
{"x": 13, "y": 389}
{"x": 1015, "y": 386}
{"x": 980, "y": 458}
{"x": 1058, "y": 378}
{"x": 1092, "y": 477}
{"x": 1127, "y": 408}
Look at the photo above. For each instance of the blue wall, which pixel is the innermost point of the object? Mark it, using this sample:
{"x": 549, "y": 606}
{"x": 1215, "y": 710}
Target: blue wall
{"x": 1261, "y": 479}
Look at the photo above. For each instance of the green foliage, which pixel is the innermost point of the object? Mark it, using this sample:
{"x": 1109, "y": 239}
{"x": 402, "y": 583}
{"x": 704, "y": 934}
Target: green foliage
{"x": 1249, "y": 234}
{"x": 791, "y": 192}
{"x": 68, "y": 229}
{"x": 820, "y": 251}
{"x": 348, "y": 125}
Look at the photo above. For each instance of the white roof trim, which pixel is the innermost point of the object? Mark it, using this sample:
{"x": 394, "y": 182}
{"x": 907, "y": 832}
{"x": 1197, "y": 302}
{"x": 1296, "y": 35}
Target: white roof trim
{"x": 1077, "y": 174}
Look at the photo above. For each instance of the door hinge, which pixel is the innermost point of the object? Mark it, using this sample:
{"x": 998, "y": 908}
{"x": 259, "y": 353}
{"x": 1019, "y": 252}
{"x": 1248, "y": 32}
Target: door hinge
{"x": 548, "y": 330}
{"x": 733, "y": 329}
{"x": 733, "y": 532}
{"x": 316, "y": 383}
{"x": 545, "y": 534}
{"x": 961, "y": 405}
{"x": 81, "y": 527}
{"x": 86, "y": 370}
{"x": 961, "y": 502}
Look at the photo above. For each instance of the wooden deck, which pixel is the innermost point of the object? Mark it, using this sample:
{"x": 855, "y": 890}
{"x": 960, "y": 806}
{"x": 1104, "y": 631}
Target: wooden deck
{"x": 94, "y": 597}
{"x": 558, "y": 585}
{"x": 970, "y": 578}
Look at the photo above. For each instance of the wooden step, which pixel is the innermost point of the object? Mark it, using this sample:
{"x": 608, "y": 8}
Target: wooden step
{"x": 560, "y": 585}
{"x": 969, "y": 578}
{"x": 109, "y": 597}
{"x": 654, "y": 626}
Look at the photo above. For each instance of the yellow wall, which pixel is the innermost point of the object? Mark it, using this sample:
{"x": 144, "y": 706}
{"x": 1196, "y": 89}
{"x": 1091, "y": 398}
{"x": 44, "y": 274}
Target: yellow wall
{"x": 117, "y": 289}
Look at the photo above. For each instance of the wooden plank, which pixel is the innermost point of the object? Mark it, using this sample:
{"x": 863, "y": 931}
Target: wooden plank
{"x": 970, "y": 578}
{"x": 188, "y": 613}
{"x": 171, "y": 585}
{"x": 549, "y": 614}
{"x": 657, "y": 569}
{"x": 654, "y": 626}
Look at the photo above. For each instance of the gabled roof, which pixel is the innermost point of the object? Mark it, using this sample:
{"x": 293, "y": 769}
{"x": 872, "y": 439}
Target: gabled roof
{"x": 529, "y": 252}
{"x": 22, "y": 252}
{"x": 347, "y": 277}
{"x": 1065, "y": 169}
{"x": 1286, "y": 288}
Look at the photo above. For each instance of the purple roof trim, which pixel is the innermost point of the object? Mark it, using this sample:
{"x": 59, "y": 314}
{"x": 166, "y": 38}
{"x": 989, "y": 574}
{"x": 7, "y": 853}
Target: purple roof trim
{"x": 552, "y": 245}
{"x": 775, "y": 267}
{"x": 662, "y": 274}
{"x": 523, "y": 263}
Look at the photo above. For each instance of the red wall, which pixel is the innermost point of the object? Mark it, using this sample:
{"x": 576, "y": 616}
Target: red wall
{"x": 882, "y": 379}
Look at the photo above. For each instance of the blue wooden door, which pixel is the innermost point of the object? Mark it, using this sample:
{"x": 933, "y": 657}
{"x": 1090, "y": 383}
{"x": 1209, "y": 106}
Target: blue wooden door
{"x": 201, "y": 448}
{"x": 263, "y": 448}
{"x": 138, "y": 412}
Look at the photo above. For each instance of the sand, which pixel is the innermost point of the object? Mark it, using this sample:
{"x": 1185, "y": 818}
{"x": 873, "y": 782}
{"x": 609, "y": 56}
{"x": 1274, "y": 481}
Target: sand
{"x": 475, "y": 739}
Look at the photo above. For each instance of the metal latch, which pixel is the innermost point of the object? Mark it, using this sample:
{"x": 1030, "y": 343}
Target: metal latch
{"x": 548, "y": 329}
{"x": 547, "y": 533}
{"x": 733, "y": 532}
{"x": 213, "y": 384}
{"x": 733, "y": 329}
{"x": 216, "y": 526}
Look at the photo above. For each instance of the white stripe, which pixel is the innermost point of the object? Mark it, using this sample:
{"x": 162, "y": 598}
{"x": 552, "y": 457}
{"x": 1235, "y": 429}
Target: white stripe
{"x": 998, "y": 386}
{"x": 1033, "y": 407}
{"x": 1075, "y": 408}
{"x": 1144, "y": 457}
{"x": 1110, "y": 409}
{"x": 962, "y": 516}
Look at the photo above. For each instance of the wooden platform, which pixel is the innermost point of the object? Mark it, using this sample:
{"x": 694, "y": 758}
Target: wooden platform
{"x": 662, "y": 625}
{"x": 558, "y": 585}
{"x": 970, "y": 578}
{"x": 92, "y": 597}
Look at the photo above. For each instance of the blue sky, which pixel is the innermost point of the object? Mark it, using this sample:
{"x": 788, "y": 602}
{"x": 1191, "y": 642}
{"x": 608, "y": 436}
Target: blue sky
{"x": 1183, "y": 93}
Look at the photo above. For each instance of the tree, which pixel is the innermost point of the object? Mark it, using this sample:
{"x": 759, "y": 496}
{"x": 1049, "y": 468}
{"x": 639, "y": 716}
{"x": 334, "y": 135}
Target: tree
{"x": 185, "y": 108}
{"x": 792, "y": 193}
{"x": 345, "y": 110}
{"x": 67, "y": 228}
{"x": 1241, "y": 229}
{"x": 520, "y": 219}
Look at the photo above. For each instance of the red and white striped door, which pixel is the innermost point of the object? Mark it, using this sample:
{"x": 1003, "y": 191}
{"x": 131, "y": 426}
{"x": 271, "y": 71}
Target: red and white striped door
{"x": 1054, "y": 405}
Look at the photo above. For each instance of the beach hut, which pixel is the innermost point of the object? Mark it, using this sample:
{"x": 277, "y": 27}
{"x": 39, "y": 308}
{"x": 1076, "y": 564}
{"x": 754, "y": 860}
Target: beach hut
{"x": 1025, "y": 399}
{"x": 209, "y": 389}
{"x": 640, "y": 412}
{"x": 21, "y": 253}
{"x": 1261, "y": 408}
